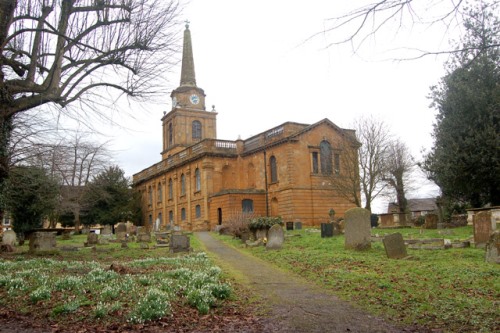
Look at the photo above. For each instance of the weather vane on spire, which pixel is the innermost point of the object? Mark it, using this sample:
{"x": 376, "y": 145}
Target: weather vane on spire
{"x": 187, "y": 24}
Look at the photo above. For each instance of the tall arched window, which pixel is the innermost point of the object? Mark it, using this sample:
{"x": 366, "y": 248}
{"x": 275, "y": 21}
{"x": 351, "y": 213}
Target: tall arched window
{"x": 183, "y": 184}
{"x": 197, "y": 179}
{"x": 150, "y": 195}
{"x": 274, "y": 169}
{"x": 196, "y": 129}
{"x": 170, "y": 189}
{"x": 326, "y": 157}
{"x": 160, "y": 193}
{"x": 183, "y": 214}
{"x": 170, "y": 135}
{"x": 198, "y": 211}
{"x": 171, "y": 217}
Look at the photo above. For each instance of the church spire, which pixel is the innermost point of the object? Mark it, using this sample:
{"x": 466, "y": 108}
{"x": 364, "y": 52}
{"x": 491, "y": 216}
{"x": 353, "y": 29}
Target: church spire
{"x": 187, "y": 72}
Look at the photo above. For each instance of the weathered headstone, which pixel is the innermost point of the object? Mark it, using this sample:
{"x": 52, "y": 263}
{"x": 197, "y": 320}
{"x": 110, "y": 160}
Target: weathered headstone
{"x": 106, "y": 230}
{"x": 326, "y": 230}
{"x": 297, "y": 225}
{"x": 493, "y": 248}
{"x": 92, "y": 238}
{"x": 42, "y": 241}
{"x": 179, "y": 243}
{"x": 144, "y": 237}
{"x": 121, "y": 232}
{"x": 483, "y": 227}
{"x": 9, "y": 238}
{"x": 275, "y": 238}
{"x": 357, "y": 229}
{"x": 431, "y": 221}
{"x": 395, "y": 246}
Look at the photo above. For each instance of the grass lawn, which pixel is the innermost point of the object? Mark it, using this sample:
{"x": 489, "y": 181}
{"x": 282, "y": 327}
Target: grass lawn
{"x": 110, "y": 285}
{"x": 454, "y": 289}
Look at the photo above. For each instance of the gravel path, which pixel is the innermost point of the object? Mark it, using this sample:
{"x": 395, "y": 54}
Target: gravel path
{"x": 295, "y": 304}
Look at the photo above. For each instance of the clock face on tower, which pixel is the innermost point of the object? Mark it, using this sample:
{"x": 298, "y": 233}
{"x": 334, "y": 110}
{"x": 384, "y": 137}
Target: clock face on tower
{"x": 194, "y": 99}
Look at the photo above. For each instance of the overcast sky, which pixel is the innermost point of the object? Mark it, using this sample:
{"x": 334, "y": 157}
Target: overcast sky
{"x": 257, "y": 66}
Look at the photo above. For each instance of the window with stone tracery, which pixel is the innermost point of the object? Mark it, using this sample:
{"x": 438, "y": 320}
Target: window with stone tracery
{"x": 196, "y": 129}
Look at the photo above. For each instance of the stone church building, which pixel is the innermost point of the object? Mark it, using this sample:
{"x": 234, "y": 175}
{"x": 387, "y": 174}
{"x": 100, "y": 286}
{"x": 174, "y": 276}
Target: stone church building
{"x": 202, "y": 181}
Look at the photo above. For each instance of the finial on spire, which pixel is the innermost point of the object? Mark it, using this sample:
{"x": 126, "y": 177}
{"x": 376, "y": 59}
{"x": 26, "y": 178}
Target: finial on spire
{"x": 187, "y": 24}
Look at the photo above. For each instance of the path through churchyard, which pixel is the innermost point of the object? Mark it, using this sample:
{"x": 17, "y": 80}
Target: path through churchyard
{"x": 294, "y": 304}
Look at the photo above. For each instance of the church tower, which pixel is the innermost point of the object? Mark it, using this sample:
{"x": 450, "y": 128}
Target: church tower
{"x": 188, "y": 122}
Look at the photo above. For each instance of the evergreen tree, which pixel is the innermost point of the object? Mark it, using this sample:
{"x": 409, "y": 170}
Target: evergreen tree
{"x": 465, "y": 159}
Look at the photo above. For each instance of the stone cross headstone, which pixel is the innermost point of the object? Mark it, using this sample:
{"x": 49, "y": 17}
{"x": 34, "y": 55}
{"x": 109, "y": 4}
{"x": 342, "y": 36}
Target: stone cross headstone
{"x": 42, "y": 241}
{"x": 9, "y": 238}
{"x": 179, "y": 243}
{"x": 395, "y": 246}
{"x": 357, "y": 229}
{"x": 493, "y": 248}
{"x": 92, "y": 238}
{"x": 483, "y": 227}
{"x": 275, "y": 237}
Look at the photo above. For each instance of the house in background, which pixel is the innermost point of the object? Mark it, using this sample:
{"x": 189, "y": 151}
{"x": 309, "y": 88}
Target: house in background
{"x": 416, "y": 207}
{"x": 202, "y": 181}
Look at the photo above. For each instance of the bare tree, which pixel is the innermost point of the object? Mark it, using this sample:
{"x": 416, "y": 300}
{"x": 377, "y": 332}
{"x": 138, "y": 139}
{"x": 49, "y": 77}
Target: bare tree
{"x": 374, "y": 136}
{"x": 399, "y": 166}
{"x": 80, "y": 51}
{"x": 361, "y": 23}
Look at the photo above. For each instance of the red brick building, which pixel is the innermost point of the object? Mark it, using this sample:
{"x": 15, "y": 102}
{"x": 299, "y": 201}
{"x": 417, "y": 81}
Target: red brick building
{"x": 202, "y": 181}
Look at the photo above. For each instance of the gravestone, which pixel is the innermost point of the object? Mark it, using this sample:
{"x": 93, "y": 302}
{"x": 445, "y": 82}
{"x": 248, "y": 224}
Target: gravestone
{"x": 179, "y": 243}
{"x": 162, "y": 238}
{"x": 297, "y": 225}
{"x": 337, "y": 228}
{"x": 92, "y": 238}
{"x": 121, "y": 232}
{"x": 261, "y": 233}
{"x": 275, "y": 238}
{"x": 395, "y": 246}
{"x": 493, "y": 248}
{"x": 357, "y": 229}
{"x": 85, "y": 230}
{"x": 289, "y": 226}
{"x": 106, "y": 230}
{"x": 326, "y": 230}
{"x": 144, "y": 237}
{"x": 431, "y": 221}
{"x": 483, "y": 227}
{"x": 42, "y": 241}
{"x": 9, "y": 238}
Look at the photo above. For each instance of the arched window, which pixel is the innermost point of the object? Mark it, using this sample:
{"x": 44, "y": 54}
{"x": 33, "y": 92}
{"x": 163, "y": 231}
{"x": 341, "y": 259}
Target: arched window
{"x": 183, "y": 184}
{"x": 198, "y": 211}
{"x": 160, "y": 219}
{"x": 170, "y": 189}
{"x": 197, "y": 179}
{"x": 170, "y": 135}
{"x": 183, "y": 214}
{"x": 326, "y": 157}
{"x": 150, "y": 195}
{"x": 160, "y": 193}
{"x": 274, "y": 169}
{"x": 247, "y": 205}
{"x": 196, "y": 129}
{"x": 171, "y": 216}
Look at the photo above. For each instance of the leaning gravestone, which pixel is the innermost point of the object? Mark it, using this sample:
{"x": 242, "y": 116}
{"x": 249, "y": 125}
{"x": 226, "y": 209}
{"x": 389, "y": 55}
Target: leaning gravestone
{"x": 179, "y": 243}
{"x": 92, "y": 238}
{"x": 9, "y": 238}
{"x": 42, "y": 241}
{"x": 483, "y": 227}
{"x": 493, "y": 248}
{"x": 275, "y": 238}
{"x": 395, "y": 246}
{"x": 357, "y": 229}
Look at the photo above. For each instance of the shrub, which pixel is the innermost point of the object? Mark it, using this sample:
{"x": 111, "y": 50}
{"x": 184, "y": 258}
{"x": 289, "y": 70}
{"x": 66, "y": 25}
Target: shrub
{"x": 264, "y": 222}
{"x": 238, "y": 223}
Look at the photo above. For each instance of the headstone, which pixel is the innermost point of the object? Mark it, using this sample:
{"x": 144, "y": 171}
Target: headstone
{"x": 124, "y": 245}
{"x": 357, "y": 229}
{"x": 9, "y": 238}
{"x": 431, "y": 221}
{"x": 337, "y": 228}
{"x": 92, "y": 238}
{"x": 144, "y": 237}
{"x": 275, "y": 237}
{"x": 121, "y": 227}
{"x": 261, "y": 233}
{"x": 106, "y": 230}
{"x": 179, "y": 243}
{"x": 493, "y": 248}
{"x": 289, "y": 226}
{"x": 85, "y": 230}
{"x": 483, "y": 227}
{"x": 326, "y": 230}
{"x": 162, "y": 237}
{"x": 42, "y": 241}
{"x": 395, "y": 246}
{"x": 121, "y": 236}
{"x": 298, "y": 225}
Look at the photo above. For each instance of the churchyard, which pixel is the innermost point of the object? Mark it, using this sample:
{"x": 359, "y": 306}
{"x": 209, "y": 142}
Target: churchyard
{"x": 450, "y": 290}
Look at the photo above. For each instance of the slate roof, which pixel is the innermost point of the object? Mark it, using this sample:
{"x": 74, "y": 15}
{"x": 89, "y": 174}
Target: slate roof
{"x": 415, "y": 205}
